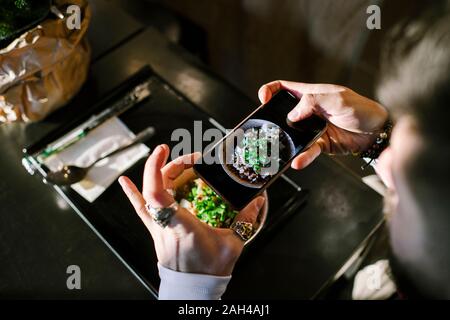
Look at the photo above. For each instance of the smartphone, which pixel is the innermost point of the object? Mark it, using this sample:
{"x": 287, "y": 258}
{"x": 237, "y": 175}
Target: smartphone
{"x": 255, "y": 153}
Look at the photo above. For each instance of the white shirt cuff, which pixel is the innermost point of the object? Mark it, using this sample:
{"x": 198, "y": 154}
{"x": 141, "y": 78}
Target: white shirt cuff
{"x": 190, "y": 286}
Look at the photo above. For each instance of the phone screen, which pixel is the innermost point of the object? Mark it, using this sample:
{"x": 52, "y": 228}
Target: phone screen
{"x": 258, "y": 150}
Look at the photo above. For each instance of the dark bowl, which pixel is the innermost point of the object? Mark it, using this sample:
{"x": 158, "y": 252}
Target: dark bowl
{"x": 229, "y": 147}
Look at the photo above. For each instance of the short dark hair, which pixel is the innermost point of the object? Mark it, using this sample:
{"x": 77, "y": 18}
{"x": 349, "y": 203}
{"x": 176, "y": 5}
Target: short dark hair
{"x": 416, "y": 81}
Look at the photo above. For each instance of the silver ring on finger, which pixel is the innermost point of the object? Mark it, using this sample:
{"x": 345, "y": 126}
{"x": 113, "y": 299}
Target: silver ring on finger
{"x": 243, "y": 229}
{"x": 162, "y": 216}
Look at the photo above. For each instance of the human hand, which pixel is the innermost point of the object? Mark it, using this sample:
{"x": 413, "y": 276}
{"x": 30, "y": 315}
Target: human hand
{"x": 354, "y": 121}
{"x": 186, "y": 244}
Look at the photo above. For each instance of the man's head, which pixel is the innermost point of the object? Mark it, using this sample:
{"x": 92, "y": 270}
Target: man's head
{"x": 416, "y": 87}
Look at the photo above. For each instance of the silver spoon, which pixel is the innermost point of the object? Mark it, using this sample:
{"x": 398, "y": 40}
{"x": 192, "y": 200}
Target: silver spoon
{"x": 70, "y": 174}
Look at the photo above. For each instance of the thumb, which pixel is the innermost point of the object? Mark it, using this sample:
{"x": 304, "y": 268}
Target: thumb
{"x": 251, "y": 211}
{"x": 304, "y": 109}
{"x": 265, "y": 94}
{"x": 306, "y": 158}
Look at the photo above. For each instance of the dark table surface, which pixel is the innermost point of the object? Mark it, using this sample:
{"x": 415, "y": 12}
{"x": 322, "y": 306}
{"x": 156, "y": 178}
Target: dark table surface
{"x": 40, "y": 234}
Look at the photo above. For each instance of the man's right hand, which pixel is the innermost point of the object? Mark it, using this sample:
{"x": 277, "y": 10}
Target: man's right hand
{"x": 353, "y": 120}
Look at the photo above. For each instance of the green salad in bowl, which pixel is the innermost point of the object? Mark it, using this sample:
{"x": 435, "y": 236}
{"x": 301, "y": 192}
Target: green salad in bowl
{"x": 193, "y": 194}
{"x": 201, "y": 200}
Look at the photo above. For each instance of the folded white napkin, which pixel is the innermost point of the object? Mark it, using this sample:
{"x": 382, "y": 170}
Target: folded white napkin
{"x": 374, "y": 282}
{"x": 105, "y": 138}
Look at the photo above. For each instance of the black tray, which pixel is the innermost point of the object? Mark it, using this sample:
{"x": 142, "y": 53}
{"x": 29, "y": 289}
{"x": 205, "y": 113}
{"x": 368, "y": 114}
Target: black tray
{"x": 111, "y": 216}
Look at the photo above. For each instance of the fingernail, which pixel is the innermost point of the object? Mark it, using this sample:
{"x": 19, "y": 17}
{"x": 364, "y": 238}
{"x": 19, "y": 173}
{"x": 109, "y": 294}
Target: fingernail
{"x": 260, "y": 202}
{"x": 293, "y": 115}
{"x": 122, "y": 181}
{"x": 159, "y": 148}
{"x": 263, "y": 97}
{"x": 180, "y": 160}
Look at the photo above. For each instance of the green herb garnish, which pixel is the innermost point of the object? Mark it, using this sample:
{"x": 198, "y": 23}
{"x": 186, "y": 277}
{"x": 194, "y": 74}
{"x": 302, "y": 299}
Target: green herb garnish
{"x": 255, "y": 151}
{"x": 209, "y": 207}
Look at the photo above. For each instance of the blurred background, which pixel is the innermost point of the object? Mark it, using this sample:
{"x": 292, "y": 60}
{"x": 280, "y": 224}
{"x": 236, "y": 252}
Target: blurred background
{"x": 251, "y": 42}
